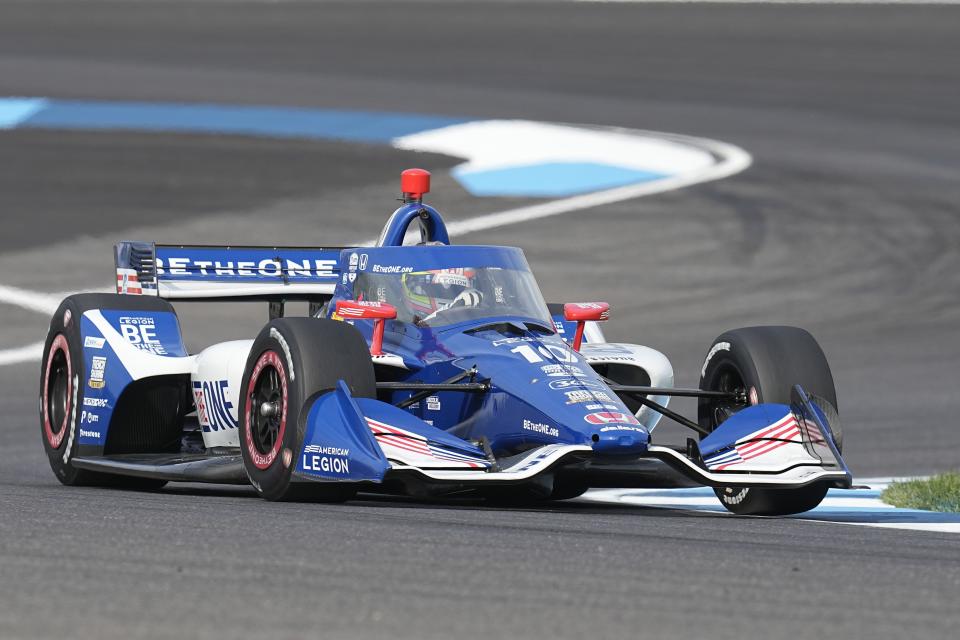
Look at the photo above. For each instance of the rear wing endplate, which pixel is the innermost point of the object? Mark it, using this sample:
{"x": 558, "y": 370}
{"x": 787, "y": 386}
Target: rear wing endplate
{"x": 197, "y": 272}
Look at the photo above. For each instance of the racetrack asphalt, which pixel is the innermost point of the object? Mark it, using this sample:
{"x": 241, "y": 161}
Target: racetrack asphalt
{"x": 846, "y": 224}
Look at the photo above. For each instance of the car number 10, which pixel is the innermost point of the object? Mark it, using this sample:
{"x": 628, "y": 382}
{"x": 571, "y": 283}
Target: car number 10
{"x": 549, "y": 352}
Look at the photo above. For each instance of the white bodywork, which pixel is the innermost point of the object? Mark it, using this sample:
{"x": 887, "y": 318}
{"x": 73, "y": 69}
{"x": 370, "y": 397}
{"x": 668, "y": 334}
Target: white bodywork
{"x": 216, "y": 381}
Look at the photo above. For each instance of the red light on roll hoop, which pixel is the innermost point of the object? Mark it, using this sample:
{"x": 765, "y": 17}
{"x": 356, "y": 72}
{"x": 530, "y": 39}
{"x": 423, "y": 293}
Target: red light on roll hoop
{"x": 379, "y": 312}
{"x": 581, "y": 313}
{"x": 414, "y": 183}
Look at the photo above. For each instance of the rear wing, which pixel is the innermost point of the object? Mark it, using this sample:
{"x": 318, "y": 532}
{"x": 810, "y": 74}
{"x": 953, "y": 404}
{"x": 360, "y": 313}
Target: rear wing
{"x": 197, "y": 272}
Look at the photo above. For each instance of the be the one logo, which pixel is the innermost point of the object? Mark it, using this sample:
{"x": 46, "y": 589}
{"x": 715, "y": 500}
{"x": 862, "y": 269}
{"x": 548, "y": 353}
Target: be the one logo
{"x": 141, "y": 332}
{"x": 214, "y": 409}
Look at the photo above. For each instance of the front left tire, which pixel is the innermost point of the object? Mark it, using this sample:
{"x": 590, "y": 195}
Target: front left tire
{"x": 292, "y": 361}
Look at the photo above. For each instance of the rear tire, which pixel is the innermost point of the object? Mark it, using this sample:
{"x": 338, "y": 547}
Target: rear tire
{"x": 63, "y": 385}
{"x": 291, "y": 362}
{"x": 765, "y": 363}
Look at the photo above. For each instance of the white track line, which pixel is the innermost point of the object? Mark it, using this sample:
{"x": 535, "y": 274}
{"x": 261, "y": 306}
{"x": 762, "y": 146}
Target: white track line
{"x": 44, "y": 303}
{"x": 730, "y": 160}
{"x": 30, "y": 353}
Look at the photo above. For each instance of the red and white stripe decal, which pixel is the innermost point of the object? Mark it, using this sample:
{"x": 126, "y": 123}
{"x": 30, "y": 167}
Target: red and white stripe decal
{"x": 783, "y": 432}
{"x": 128, "y": 282}
{"x": 401, "y": 441}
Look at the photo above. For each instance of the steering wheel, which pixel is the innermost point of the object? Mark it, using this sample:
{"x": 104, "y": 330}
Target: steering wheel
{"x": 466, "y": 299}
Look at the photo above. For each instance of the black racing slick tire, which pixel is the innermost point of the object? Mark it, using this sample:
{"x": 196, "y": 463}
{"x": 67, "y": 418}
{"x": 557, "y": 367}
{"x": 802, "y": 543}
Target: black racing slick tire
{"x": 763, "y": 364}
{"x": 292, "y": 361}
{"x": 63, "y": 380}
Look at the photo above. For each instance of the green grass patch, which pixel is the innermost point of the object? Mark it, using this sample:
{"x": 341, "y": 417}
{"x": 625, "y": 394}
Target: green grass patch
{"x": 938, "y": 493}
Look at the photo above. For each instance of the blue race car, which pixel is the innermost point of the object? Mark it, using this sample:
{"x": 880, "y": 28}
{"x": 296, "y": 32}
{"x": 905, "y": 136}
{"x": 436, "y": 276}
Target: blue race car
{"x": 423, "y": 370}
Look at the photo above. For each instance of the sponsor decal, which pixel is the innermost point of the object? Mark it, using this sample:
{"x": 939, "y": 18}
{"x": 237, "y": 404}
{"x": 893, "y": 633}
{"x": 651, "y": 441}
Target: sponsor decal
{"x": 540, "y": 427}
{"x": 141, "y": 332}
{"x": 597, "y": 407}
{"x": 391, "y": 268}
{"x": 610, "y": 417}
{"x": 268, "y": 267}
{"x": 558, "y": 326}
{"x": 578, "y": 395}
{"x": 562, "y": 371}
{"x": 714, "y": 350}
{"x": 322, "y": 459}
{"x": 95, "y": 403}
{"x": 93, "y": 342}
{"x": 214, "y": 409}
{"x": 619, "y": 427}
{"x": 351, "y": 276}
{"x": 593, "y": 357}
{"x": 98, "y": 367}
{"x": 433, "y": 403}
{"x": 89, "y": 434}
{"x": 571, "y": 383}
{"x": 354, "y": 259}
{"x": 88, "y": 417}
{"x": 363, "y": 262}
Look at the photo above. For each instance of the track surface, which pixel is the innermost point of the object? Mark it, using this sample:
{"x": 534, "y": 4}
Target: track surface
{"x": 847, "y": 224}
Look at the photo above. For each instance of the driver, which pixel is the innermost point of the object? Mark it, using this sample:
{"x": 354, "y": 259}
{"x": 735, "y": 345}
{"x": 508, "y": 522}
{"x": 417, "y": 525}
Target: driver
{"x": 429, "y": 292}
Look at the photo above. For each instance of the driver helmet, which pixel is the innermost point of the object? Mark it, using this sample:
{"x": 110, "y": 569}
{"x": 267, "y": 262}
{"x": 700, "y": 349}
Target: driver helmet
{"x": 429, "y": 291}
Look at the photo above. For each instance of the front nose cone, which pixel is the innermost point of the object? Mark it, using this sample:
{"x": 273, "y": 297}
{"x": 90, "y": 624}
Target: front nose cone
{"x": 619, "y": 440}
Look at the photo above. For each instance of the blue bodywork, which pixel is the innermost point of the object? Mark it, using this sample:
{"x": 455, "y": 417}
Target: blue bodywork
{"x": 542, "y": 391}
{"x": 104, "y": 373}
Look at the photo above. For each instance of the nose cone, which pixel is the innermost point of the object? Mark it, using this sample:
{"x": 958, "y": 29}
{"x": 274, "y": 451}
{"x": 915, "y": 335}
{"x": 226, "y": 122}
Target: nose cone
{"x": 619, "y": 440}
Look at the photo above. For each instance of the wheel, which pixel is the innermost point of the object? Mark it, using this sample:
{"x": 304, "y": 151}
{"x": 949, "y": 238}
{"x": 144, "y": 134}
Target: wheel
{"x": 292, "y": 361}
{"x": 62, "y": 387}
{"x": 763, "y": 364}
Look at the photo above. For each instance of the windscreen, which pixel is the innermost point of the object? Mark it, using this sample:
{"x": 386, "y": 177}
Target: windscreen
{"x": 439, "y": 297}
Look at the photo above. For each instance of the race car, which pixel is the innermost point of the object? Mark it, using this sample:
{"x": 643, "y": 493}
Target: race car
{"x": 423, "y": 369}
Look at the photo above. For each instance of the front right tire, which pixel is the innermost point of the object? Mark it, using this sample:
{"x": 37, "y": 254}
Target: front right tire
{"x": 762, "y": 364}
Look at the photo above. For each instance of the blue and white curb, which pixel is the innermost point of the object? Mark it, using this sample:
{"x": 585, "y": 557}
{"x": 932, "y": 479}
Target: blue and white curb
{"x": 577, "y": 167}
{"x": 860, "y": 506}
{"x": 519, "y": 158}
{"x": 525, "y": 158}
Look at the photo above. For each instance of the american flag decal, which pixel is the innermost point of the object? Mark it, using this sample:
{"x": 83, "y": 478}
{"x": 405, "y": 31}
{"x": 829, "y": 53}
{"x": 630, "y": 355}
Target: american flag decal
{"x": 413, "y": 449}
{"x": 764, "y": 442}
{"x": 128, "y": 282}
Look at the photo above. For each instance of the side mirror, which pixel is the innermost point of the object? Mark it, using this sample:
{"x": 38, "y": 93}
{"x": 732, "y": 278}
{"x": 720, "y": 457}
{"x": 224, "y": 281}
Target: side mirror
{"x": 581, "y": 313}
{"x": 379, "y": 312}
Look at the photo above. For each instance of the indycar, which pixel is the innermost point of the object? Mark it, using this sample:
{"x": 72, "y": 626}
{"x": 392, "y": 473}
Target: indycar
{"x": 423, "y": 369}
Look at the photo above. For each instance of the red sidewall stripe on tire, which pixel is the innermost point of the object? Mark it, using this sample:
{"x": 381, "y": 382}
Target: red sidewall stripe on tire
{"x": 56, "y": 439}
{"x": 264, "y": 460}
